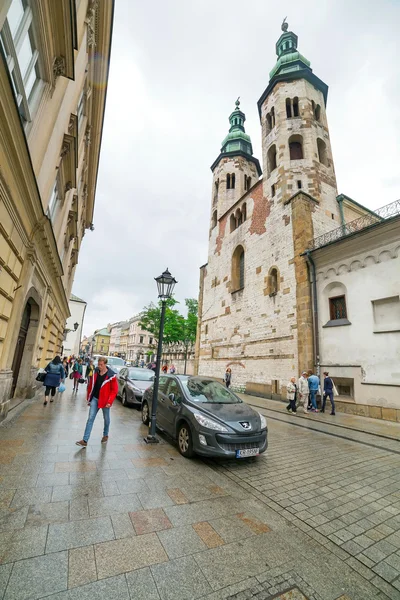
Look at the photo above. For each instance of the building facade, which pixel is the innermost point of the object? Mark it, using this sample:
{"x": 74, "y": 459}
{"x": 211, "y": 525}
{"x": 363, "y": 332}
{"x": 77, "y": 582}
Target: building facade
{"x": 101, "y": 342}
{"x": 72, "y": 341}
{"x": 54, "y": 61}
{"x": 255, "y": 302}
{"x": 141, "y": 344}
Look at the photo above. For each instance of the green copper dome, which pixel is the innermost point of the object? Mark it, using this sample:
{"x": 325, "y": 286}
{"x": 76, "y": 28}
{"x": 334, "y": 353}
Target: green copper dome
{"x": 237, "y": 138}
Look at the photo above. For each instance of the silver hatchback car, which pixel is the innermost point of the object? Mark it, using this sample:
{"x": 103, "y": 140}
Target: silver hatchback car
{"x": 206, "y": 418}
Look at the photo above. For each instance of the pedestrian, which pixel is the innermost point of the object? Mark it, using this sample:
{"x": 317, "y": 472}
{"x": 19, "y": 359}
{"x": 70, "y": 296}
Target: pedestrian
{"x": 303, "y": 390}
{"x": 172, "y": 369}
{"x": 90, "y": 372}
{"x": 65, "y": 365}
{"x": 329, "y": 392}
{"x": 100, "y": 394}
{"x": 228, "y": 377}
{"x": 291, "y": 394}
{"x": 313, "y": 384}
{"x": 164, "y": 368}
{"x": 55, "y": 374}
{"x": 77, "y": 372}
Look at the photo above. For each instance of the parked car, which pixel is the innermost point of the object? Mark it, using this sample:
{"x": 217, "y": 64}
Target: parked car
{"x": 132, "y": 383}
{"x": 206, "y": 418}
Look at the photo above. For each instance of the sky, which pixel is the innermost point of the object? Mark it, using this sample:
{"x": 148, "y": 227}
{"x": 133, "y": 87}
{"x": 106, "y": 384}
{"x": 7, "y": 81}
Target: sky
{"x": 177, "y": 67}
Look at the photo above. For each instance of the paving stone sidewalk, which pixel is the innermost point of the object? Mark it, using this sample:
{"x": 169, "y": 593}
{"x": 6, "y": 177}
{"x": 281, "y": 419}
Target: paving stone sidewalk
{"x": 130, "y": 521}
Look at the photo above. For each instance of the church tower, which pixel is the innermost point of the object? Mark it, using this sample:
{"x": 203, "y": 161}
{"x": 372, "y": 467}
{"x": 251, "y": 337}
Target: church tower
{"x": 235, "y": 170}
{"x": 297, "y": 151}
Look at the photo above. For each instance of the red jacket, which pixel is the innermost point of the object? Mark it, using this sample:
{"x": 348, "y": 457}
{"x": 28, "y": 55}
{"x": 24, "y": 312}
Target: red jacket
{"x": 108, "y": 390}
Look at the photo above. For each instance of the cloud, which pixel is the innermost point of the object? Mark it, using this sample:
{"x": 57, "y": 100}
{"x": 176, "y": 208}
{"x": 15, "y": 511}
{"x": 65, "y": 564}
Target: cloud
{"x": 176, "y": 69}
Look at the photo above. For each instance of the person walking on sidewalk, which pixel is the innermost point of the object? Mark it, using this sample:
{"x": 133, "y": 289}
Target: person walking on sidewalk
{"x": 65, "y": 365}
{"x": 291, "y": 391}
{"x": 55, "y": 374}
{"x": 228, "y": 377}
{"x": 313, "y": 384}
{"x": 303, "y": 390}
{"x": 100, "y": 394}
{"x": 329, "y": 388}
{"x": 77, "y": 373}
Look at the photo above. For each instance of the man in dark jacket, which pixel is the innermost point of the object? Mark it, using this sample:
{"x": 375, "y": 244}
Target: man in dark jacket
{"x": 328, "y": 391}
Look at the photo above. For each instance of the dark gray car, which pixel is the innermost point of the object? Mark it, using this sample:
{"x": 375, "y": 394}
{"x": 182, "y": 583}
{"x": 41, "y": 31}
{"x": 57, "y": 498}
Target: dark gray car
{"x": 206, "y": 418}
{"x": 132, "y": 383}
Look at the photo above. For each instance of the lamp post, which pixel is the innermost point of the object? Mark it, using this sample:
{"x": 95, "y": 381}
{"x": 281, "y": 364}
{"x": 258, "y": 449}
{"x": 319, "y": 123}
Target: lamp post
{"x": 165, "y": 284}
{"x": 187, "y": 342}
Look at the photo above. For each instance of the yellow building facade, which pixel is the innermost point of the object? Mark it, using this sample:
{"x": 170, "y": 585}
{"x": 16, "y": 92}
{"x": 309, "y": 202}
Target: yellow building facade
{"x": 101, "y": 342}
{"x": 54, "y": 61}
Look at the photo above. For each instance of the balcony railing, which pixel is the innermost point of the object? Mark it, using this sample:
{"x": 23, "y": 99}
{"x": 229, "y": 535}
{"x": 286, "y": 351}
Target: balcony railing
{"x": 372, "y": 218}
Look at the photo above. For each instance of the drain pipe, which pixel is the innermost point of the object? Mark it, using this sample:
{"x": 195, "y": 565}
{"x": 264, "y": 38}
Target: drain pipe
{"x": 311, "y": 263}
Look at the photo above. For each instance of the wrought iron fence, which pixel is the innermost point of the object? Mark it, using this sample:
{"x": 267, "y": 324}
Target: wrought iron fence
{"x": 372, "y": 218}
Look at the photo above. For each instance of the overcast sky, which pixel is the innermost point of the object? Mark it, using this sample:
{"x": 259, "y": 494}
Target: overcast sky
{"x": 177, "y": 66}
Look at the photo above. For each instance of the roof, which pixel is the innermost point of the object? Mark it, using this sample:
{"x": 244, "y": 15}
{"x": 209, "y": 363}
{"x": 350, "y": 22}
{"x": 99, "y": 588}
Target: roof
{"x": 76, "y": 299}
{"x": 103, "y": 331}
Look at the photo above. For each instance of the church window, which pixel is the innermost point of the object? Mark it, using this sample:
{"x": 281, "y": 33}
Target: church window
{"x": 299, "y": 184}
{"x": 296, "y": 147}
{"x": 228, "y": 181}
{"x": 316, "y": 108}
{"x": 273, "y": 281}
{"x": 337, "y": 308}
{"x": 273, "y": 190}
{"x": 237, "y": 278}
{"x": 295, "y": 107}
{"x": 269, "y": 123}
{"x": 322, "y": 153}
{"x": 232, "y": 222}
{"x": 273, "y": 116}
{"x": 247, "y": 182}
{"x": 271, "y": 159}
{"x": 214, "y": 219}
{"x": 288, "y": 108}
{"x": 233, "y": 181}
{"x": 216, "y": 186}
{"x": 244, "y": 211}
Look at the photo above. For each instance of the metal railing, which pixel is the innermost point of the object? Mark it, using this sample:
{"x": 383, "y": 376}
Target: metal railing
{"x": 372, "y": 218}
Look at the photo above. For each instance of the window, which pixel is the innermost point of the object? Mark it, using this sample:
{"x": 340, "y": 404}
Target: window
{"x": 230, "y": 181}
{"x": 150, "y": 340}
{"x": 81, "y": 108}
{"x": 247, "y": 182}
{"x": 101, "y": 348}
{"x": 216, "y": 186}
{"x": 214, "y": 219}
{"x": 206, "y": 330}
{"x": 288, "y": 108}
{"x": 270, "y": 120}
{"x": 54, "y": 202}
{"x": 273, "y": 281}
{"x": 141, "y": 338}
{"x": 295, "y": 107}
{"x": 237, "y": 282}
{"x": 102, "y": 341}
{"x": 162, "y": 384}
{"x": 271, "y": 159}
{"x": 386, "y": 313}
{"x": 18, "y": 43}
{"x": 337, "y": 308}
{"x": 273, "y": 190}
{"x": 176, "y": 390}
{"x": 296, "y": 147}
{"x": 244, "y": 212}
{"x": 238, "y": 217}
{"x": 322, "y": 154}
{"x": 299, "y": 184}
{"x": 316, "y": 109}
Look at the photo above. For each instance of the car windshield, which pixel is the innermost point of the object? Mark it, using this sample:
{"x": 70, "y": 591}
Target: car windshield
{"x": 141, "y": 374}
{"x": 209, "y": 391}
{"x": 114, "y": 360}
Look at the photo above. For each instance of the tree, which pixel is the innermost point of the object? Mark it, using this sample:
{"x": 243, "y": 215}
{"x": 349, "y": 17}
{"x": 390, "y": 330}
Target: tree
{"x": 191, "y": 320}
{"x": 174, "y": 325}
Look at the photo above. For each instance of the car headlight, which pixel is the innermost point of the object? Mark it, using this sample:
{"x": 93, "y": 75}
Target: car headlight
{"x": 209, "y": 423}
{"x": 136, "y": 389}
{"x": 263, "y": 421}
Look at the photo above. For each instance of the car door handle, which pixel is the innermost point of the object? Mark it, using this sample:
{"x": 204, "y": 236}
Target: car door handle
{"x": 161, "y": 400}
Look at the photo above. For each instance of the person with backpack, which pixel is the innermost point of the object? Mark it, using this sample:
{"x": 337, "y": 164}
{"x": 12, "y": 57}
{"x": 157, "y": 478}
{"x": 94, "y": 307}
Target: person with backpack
{"x": 77, "y": 374}
{"x": 55, "y": 375}
{"x": 329, "y": 391}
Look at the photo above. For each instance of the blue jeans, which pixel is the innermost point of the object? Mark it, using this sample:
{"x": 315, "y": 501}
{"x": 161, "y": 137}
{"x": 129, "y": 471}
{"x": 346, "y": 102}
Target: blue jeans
{"x": 313, "y": 398}
{"x": 93, "y": 410}
{"x": 330, "y": 396}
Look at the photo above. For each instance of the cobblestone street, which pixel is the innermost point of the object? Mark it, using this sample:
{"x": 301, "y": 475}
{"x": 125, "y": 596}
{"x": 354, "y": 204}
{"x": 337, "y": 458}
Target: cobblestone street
{"x": 317, "y": 516}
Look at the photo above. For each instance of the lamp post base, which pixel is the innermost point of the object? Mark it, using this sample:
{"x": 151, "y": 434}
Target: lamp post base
{"x": 151, "y": 439}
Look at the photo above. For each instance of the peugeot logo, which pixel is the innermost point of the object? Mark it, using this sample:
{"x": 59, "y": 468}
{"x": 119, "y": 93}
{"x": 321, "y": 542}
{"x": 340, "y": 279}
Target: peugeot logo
{"x": 245, "y": 424}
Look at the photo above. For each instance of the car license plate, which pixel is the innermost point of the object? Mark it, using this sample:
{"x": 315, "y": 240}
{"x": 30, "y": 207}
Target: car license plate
{"x": 247, "y": 452}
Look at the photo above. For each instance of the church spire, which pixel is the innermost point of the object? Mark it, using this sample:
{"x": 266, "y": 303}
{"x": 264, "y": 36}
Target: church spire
{"x": 237, "y": 138}
{"x": 289, "y": 58}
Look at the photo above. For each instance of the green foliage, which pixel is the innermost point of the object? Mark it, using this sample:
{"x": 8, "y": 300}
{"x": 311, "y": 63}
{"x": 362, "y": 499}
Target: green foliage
{"x": 176, "y": 327}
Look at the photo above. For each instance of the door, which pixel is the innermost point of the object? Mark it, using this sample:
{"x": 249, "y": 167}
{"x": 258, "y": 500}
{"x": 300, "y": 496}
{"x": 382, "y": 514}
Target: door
{"x": 19, "y": 349}
{"x": 173, "y": 402}
{"x": 162, "y": 403}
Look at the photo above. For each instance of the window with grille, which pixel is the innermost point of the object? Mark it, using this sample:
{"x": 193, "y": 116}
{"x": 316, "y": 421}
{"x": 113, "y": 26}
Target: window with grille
{"x": 17, "y": 40}
{"x": 337, "y": 308}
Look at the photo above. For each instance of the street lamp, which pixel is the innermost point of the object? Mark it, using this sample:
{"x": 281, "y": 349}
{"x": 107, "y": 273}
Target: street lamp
{"x": 165, "y": 285}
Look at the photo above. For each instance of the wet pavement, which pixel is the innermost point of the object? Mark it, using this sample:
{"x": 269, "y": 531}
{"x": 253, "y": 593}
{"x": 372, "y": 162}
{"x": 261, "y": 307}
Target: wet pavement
{"x": 317, "y": 516}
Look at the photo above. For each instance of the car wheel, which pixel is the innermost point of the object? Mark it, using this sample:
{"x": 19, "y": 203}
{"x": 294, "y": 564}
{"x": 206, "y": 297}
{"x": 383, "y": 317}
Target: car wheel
{"x": 145, "y": 413}
{"x": 185, "y": 442}
{"x": 124, "y": 399}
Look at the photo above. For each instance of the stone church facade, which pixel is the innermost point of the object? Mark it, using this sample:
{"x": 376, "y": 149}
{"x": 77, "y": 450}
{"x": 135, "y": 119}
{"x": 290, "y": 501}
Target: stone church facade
{"x": 255, "y": 305}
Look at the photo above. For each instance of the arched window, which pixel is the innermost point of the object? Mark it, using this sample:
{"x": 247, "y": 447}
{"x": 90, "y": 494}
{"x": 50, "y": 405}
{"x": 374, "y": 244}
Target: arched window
{"x": 288, "y": 108}
{"x": 232, "y": 222}
{"x": 271, "y": 159}
{"x": 228, "y": 181}
{"x": 273, "y": 116}
{"x": 247, "y": 182}
{"x": 244, "y": 211}
{"x": 322, "y": 153}
{"x": 233, "y": 181}
{"x": 295, "y": 107}
{"x": 238, "y": 217}
{"x": 273, "y": 281}
{"x": 214, "y": 219}
{"x": 269, "y": 123}
{"x": 237, "y": 277}
{"x": 318, "y": 112}
{"x": 216, "y": 186}
{"x": 296, "y": 147}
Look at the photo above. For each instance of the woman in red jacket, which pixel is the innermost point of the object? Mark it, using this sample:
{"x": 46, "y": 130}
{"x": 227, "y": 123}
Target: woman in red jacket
{"x": 101, "y": 393}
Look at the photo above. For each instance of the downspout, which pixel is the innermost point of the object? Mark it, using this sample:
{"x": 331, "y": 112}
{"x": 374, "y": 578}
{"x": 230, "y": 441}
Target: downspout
{"x": 311, "y": 263}
{"x": 340, "y": 202}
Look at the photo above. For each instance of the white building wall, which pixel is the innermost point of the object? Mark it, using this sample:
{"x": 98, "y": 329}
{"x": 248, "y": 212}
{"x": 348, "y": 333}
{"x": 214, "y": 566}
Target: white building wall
{"x": 72, "y": 341}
